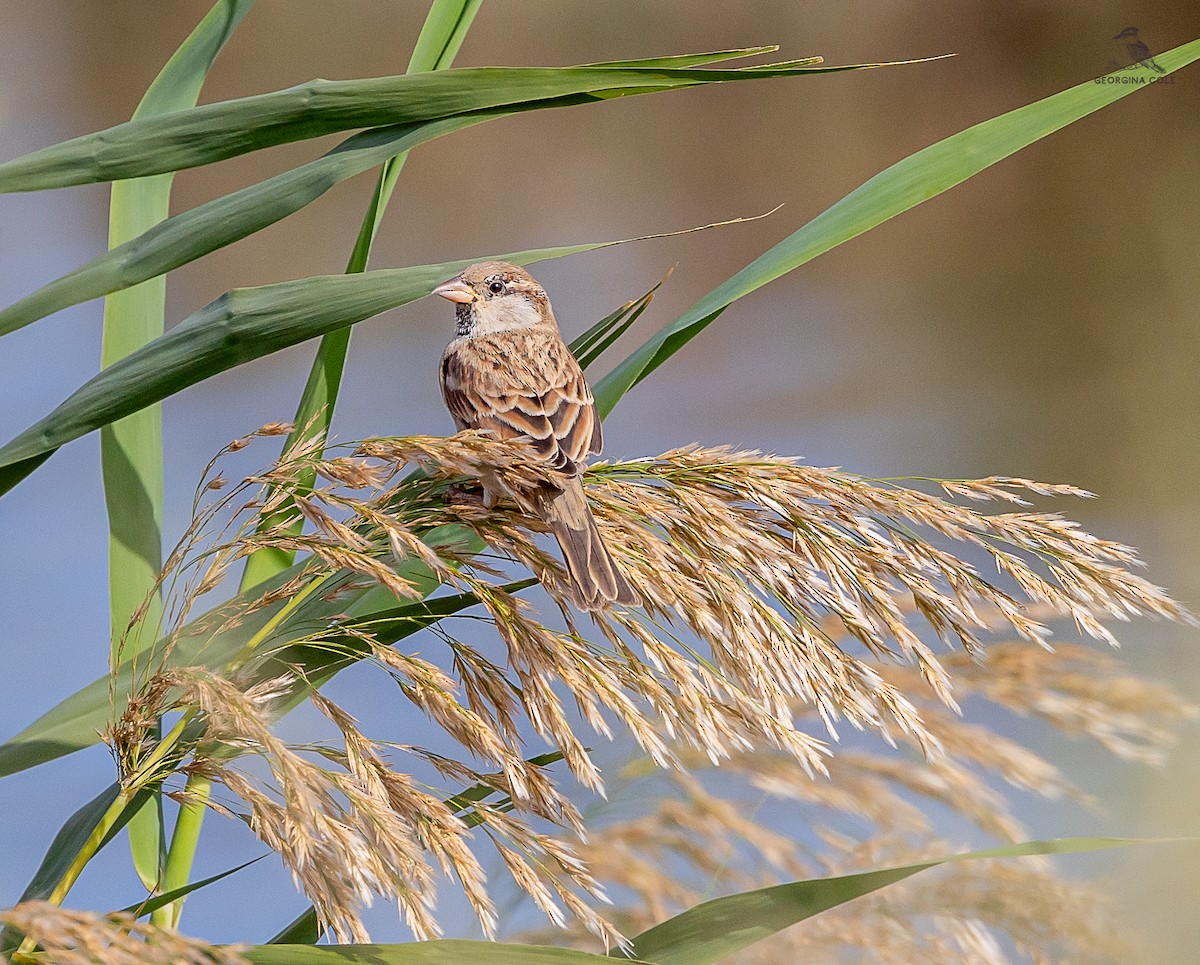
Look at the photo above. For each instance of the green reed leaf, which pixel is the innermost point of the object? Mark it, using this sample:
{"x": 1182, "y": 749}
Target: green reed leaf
{"x": 711, "y": 931}
{"x": 904, "y": 185}
{"x": 215, "y": 132}
{"x": 131, "y": 450}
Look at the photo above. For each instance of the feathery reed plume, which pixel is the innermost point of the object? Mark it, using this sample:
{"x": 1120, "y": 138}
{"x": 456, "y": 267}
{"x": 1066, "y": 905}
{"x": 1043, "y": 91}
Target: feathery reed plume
{"x": 348, "y": 833}
{"x": 67, "y": 937}
{"x": 700, "y": 831}
{"x": 779, "y": 599}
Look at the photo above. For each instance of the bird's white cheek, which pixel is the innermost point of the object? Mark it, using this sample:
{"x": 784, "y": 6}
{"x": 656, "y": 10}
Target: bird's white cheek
{"x": 504, "y": 314}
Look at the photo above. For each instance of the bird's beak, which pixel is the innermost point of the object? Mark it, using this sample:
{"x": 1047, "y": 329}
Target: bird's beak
{"x": 455, "y": 290}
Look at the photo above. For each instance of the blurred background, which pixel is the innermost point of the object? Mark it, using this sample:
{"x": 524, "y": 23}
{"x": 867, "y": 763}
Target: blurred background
{"x": 1038, "y": 320}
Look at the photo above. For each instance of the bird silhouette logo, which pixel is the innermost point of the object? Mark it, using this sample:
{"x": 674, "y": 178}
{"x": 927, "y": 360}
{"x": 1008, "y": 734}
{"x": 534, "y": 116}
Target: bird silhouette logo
{"x": 1137, "y": 50}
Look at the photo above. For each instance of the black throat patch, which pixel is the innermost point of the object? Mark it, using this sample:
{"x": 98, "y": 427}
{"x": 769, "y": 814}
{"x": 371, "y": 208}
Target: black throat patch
{"x": 464, "y": 319}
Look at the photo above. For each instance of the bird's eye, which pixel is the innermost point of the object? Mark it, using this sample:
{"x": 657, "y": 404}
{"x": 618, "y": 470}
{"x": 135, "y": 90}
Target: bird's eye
{"x": 496, "y": 287}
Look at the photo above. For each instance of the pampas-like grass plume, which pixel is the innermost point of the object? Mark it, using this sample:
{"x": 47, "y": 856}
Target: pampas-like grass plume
{"x": 780, "y": 602}
{"x": 759, "y": 818}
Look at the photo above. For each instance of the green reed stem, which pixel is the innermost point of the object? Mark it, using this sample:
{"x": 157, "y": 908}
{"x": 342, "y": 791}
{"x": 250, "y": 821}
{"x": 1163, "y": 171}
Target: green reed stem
{"x": 182, "y": 852}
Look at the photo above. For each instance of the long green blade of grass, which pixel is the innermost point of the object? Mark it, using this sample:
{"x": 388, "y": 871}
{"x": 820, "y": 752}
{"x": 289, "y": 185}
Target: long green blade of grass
{"x": 442, "y": 35}
{"x": 597, "y": 340}
{"x": 705, "y": 59}
{"x": 904, "y": 185}
{"x": 208, "y": 227}
{"x": 150, "y": 905}
{"x": 215, "y": 132}
{"x": 712, "y": 931}
{"x": 131, "y": 450}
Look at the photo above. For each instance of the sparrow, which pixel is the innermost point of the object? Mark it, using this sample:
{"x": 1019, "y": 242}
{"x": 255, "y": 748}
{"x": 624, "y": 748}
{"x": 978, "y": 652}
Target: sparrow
{"x": 507, "y": 370}
{"x": 1138, "y": 52}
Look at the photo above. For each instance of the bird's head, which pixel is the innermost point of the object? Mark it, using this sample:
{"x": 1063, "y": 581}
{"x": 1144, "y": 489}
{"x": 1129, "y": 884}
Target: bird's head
{"x": 1127, "y": 34}
{"x": 495, "y": 296}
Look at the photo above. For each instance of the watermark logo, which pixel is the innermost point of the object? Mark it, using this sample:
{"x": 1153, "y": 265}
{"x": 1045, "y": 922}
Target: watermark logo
{"x": 1130, "y": 50}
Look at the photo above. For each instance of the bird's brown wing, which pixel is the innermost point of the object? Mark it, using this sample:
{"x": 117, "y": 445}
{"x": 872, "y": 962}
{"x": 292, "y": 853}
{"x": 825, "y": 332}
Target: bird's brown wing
{"x": 523, "y": 384}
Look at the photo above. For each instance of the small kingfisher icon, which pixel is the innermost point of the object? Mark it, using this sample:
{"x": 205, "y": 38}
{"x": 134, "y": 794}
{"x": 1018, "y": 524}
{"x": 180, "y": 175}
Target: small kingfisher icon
{"x": 1138, "y": 52}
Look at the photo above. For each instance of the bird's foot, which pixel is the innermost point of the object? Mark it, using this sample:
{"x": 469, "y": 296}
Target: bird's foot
{"x": 463, "y": 494}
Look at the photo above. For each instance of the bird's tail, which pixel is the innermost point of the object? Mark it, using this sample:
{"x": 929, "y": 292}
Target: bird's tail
{"x": 597, "y": 581}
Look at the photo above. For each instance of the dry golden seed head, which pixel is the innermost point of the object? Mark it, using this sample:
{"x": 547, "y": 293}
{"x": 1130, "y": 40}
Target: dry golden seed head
{"x": 699, "y": 828}
{"x": 69, "y": 937}
{"x": 354, "y": 473}
{"x": 276, "y": 429}
{"x": 776, "y": 596}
